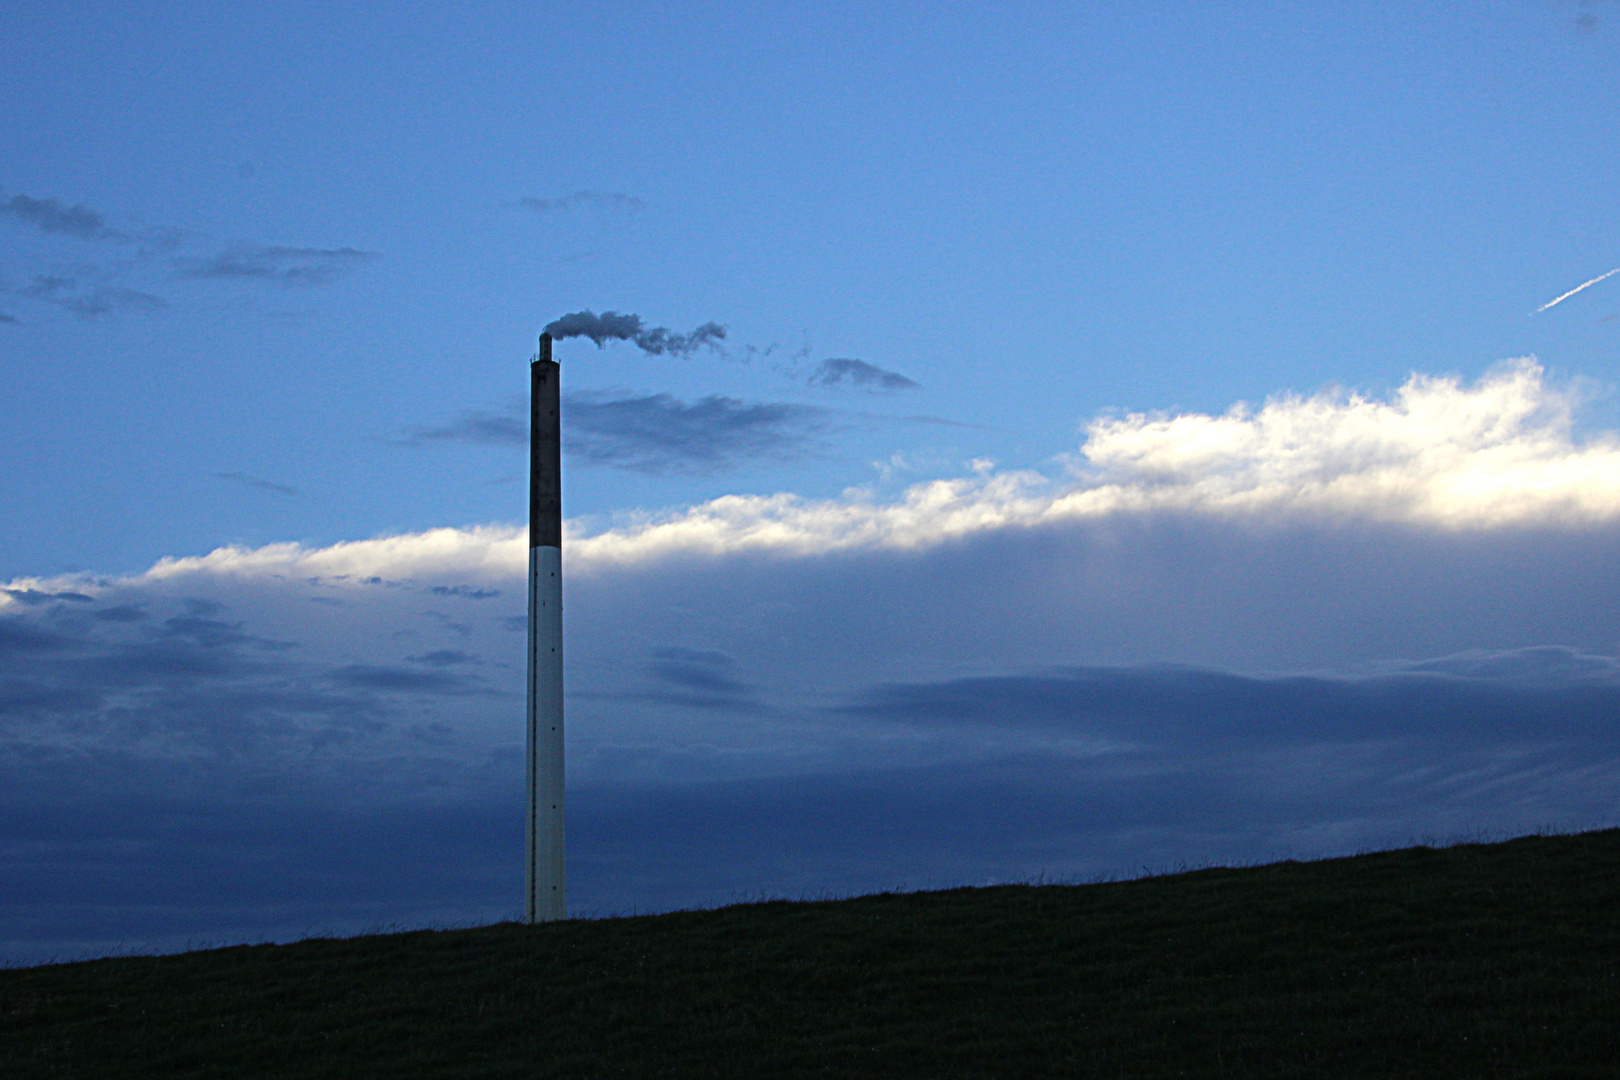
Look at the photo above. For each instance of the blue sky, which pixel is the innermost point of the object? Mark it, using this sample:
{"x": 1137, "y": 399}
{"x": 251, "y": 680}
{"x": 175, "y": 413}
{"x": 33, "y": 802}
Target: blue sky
{"x": 1219, "y": 365}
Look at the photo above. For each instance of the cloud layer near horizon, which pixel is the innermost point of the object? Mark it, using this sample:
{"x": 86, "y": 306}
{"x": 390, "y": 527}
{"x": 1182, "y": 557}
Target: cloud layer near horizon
{"x": 1501, "y": 454}
{"x": 1323, "y": 624}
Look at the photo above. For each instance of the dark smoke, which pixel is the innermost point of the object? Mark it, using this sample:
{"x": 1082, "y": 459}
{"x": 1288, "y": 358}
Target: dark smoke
{"x": 608, "y": 326}
{"x": 654, "y": 341}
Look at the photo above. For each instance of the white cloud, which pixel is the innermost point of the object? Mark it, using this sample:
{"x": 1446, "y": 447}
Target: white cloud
{"x": 1440, "y": 454}
{"x": 1501, "y": 452}
{"x": 492, "y": 550}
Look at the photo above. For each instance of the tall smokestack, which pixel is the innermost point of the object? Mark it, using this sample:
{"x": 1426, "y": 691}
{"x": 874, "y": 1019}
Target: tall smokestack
{"x": 546, "y": 895}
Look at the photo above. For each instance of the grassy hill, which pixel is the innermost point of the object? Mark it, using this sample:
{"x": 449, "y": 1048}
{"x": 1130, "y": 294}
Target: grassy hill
{"x": 1498, "y": 960}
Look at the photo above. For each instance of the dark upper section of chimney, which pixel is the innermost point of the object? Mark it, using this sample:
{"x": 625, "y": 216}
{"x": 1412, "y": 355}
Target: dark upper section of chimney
{"x": 545, "y": 450}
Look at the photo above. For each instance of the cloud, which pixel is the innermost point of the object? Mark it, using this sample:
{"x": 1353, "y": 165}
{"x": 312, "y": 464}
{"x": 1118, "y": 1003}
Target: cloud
{"x": 280, "y": 265}
{"x": 469, "y": 592}
{"x": 129, "y": 838}
{"x": 90, "y": 291}
{"x": 443, "y": 658}
{"x": 119, "y": 613}
{"x": 971, "y": 682}
{"x": 596, "y": 200}
{"x": 478, "y": 427}
{"x": 1165, "y": 586}
{"x": 698, "y": 678}
{"x": 655, "y": 434}
{"x": 402, "y": 680}
{"x": 18, "y": 637}
{"x": 359, "y": 564}
{"x": 89, "y": 301}
{"x": 1177, "y": 537}
{"x": 858, "y": 373}
{"x": 193, "y": 684}
{"x": 34, "y": 596}
{"x": 256, "y": 484}
{"x": 1498, "y": 456}
{"x": 1500, "y": 453}
{"x": 655, "y": 341}
{"x": 1474, "y": 698}
{"x": 1587, "y": 21}
{"x": 54, "y": 217}
{"x": 659, "y": 434}
{"x": 1441, "y": 454}
{"x": 985, "y": 706}
{"x": 146, "y": 731}
{"x": 49, "y": 285}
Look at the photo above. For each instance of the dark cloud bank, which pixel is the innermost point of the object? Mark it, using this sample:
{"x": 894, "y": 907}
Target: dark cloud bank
{"x": 170, "y": 776}
{"x": 166, "y": 774}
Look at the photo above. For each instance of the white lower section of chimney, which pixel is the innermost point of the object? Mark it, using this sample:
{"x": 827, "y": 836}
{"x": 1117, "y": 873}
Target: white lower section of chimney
{"x": 547, "y": 895}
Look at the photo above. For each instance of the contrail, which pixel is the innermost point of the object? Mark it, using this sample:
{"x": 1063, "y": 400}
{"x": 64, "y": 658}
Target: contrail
{"x": 1575, "y": 290}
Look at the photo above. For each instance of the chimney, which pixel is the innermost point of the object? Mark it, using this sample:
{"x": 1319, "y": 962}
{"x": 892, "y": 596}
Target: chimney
{"x": 546, "y": 896}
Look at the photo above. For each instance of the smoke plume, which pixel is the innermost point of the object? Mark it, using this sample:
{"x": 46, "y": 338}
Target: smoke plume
{"x": 617, "y": 326}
